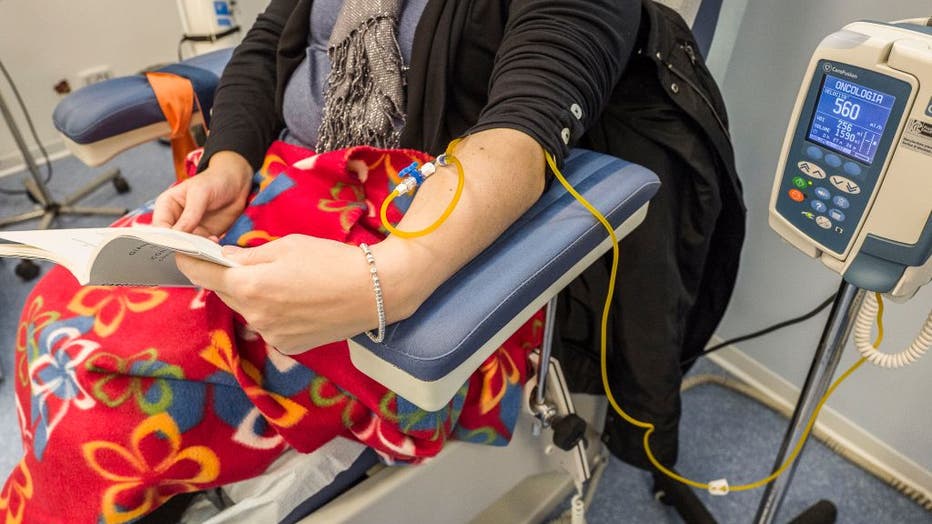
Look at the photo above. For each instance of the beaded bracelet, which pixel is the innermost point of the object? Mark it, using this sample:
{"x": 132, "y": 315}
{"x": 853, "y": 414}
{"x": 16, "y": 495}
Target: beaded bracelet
{"x": 377, "y": 288}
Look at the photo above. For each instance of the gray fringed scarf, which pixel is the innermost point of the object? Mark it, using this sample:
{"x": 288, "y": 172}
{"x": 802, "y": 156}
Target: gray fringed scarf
{"x": 364, "y": 98}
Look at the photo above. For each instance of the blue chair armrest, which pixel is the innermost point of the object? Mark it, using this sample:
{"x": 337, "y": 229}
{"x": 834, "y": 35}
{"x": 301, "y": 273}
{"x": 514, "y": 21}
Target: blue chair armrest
{"x": 119, "y": 105}
{"x": 427, "y": 357}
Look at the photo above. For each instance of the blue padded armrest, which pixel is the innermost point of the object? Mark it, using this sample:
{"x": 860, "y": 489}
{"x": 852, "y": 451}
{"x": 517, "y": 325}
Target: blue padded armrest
{"x": 110, "y": 108}
{"x": 539, "y": 254}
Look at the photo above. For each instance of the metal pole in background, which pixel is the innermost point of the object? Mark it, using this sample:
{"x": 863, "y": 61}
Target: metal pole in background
{"x": 824, "y": 362}
{"x": 27, "y": 155}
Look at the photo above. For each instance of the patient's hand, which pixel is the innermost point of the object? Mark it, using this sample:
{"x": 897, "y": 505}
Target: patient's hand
{"x": 300, "y": 292}
{"x": 210, "y": 202}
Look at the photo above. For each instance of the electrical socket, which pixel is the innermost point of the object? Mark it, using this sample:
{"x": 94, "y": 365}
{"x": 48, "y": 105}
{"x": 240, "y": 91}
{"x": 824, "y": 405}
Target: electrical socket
{"x": 94, "y": 75}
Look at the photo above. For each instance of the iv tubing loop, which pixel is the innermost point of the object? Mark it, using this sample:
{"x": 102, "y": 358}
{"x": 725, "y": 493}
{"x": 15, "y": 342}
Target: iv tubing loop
{"x": 460, "y": 183}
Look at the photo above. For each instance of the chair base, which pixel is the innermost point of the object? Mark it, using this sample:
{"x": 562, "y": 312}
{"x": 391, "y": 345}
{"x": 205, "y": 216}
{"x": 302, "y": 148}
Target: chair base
{"x": 521, "y": 483}
{"x": 47, "y": 209}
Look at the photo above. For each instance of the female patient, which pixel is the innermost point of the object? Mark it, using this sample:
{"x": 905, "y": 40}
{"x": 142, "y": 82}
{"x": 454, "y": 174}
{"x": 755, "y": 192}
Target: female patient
{"x": 130, "y": 396}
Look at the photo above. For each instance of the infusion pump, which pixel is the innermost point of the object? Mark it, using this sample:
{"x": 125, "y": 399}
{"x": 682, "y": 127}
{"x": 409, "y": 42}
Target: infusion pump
{"x": 854, "y": 181}
{"x": 208, "y": 25}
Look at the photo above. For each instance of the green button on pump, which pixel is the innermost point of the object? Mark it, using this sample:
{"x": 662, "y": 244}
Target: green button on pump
{"x": 800, "y": 182}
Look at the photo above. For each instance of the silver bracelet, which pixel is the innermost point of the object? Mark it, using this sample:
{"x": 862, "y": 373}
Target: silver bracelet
{"x": 377, "y": 287}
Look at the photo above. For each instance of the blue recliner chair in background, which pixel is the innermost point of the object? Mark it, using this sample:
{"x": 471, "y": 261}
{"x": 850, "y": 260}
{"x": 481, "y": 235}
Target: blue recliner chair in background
{"x": 102, "y": 120}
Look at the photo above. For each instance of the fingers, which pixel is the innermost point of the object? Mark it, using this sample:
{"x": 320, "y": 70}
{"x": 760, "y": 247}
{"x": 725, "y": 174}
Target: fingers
{"x": 167, "y": 209}
{"x": 238, "y": 288}
{"x": 254, "y": 255}
{"x": 206, "y": 274}
{"x": 202, "y": 231}
{"x": 194, "y": 207}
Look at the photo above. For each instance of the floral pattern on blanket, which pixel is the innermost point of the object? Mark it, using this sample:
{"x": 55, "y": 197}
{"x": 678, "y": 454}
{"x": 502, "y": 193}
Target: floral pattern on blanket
{"x": 129, "y": 396}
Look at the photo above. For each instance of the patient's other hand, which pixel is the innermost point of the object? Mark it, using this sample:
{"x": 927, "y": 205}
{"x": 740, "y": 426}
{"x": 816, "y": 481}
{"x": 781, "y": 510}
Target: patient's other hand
{"x": 210, "y": 202}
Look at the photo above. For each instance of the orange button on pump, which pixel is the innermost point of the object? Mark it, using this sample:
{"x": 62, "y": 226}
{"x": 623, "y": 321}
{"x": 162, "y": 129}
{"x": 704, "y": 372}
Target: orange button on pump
{"x": 797, "y": 195}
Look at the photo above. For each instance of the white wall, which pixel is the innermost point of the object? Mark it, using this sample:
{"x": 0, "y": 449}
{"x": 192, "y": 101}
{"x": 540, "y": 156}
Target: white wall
{"x": 43, "y": 41}
{"x": 773, "y": 45}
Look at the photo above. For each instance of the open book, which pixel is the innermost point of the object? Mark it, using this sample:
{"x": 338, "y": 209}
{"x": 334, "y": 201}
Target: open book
{"x": 136, "y": 256}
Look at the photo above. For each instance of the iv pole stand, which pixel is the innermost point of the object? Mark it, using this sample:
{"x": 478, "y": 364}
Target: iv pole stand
{"x": 824, "y": 362}
{"x": 47, "y": 209}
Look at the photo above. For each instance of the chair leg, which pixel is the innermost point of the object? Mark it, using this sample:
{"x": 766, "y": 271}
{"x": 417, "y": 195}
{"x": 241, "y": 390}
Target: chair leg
{"x": 111, "y": 176}
{"x": 47, "y": 209}
{"x": 22, "y": 217}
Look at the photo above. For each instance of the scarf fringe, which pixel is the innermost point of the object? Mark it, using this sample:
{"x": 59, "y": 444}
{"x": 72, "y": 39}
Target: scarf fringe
{"x": 364, "y": 100}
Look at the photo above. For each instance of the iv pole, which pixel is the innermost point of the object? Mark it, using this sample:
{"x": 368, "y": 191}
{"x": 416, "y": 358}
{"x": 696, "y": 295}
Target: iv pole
{"x": 832, "y": 344}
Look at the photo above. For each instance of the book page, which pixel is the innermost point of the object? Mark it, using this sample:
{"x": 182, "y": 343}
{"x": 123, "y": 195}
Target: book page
{"x": 145, "y": 256}
{"x": 188, "y": 243}
{"x": 72, "y": 248}
{"x": 128, "y": 261}
{"x": 114, "y": 256}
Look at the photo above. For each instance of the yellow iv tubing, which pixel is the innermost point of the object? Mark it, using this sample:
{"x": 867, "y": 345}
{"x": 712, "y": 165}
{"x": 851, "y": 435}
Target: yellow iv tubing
{"x": 603, "y": 354}
{"x": 647, "y": 426}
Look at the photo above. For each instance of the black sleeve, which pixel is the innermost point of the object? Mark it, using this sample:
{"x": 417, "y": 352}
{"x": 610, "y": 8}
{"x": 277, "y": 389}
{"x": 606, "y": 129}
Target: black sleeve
{"x": 244, "y": 118}
{"x": 556, "y": 67}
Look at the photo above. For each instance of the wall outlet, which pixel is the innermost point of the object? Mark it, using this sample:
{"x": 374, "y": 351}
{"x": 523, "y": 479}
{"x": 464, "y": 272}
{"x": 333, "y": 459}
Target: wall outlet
{"x": 94, "y": 74}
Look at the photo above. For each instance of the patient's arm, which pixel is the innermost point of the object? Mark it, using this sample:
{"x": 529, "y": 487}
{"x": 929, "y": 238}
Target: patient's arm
{"x": 300, "y": 292}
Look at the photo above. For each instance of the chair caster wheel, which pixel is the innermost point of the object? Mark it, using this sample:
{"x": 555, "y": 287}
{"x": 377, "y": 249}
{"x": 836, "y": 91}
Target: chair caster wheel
{"x": 121, "y": 185}
{"x": 26, "y": 270}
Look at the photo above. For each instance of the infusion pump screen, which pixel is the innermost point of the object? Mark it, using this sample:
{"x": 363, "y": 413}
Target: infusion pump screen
{"x": 850, "y": 118}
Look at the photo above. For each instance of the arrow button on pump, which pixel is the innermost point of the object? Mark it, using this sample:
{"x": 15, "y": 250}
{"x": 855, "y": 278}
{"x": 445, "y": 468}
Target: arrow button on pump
{"x": 811, "y": 170}
{"x": 843, "y": 184}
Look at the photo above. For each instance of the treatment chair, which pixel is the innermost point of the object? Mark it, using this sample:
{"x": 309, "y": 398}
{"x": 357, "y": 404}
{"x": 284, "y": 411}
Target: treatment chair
{"x": 556, "y": 446}
{"x": 427, "y": 357}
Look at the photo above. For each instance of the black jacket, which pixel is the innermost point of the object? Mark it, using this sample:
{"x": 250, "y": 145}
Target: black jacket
{"x": 475, "y": 64}
{"x": 642, "y": 93}
{"x": 678, "y": 268}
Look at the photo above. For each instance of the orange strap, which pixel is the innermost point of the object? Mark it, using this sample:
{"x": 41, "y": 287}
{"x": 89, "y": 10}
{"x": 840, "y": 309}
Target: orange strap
{"x": 176, "y": 98}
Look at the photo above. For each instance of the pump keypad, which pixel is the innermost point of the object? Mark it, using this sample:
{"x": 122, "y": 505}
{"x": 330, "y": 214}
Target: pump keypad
{"x": 839, "y": 148}
{"x": 820, "y": 193}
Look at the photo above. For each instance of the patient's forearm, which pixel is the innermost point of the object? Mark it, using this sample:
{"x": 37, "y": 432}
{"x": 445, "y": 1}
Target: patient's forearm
{"x": 504, "y": 172}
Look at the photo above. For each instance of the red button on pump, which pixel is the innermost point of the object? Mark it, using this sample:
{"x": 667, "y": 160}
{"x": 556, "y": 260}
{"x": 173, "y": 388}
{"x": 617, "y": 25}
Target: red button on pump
{"x": 797, "y": 195}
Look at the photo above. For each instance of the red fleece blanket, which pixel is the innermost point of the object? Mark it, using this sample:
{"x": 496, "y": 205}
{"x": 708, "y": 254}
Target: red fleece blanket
{"x": 127, "y": 396}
